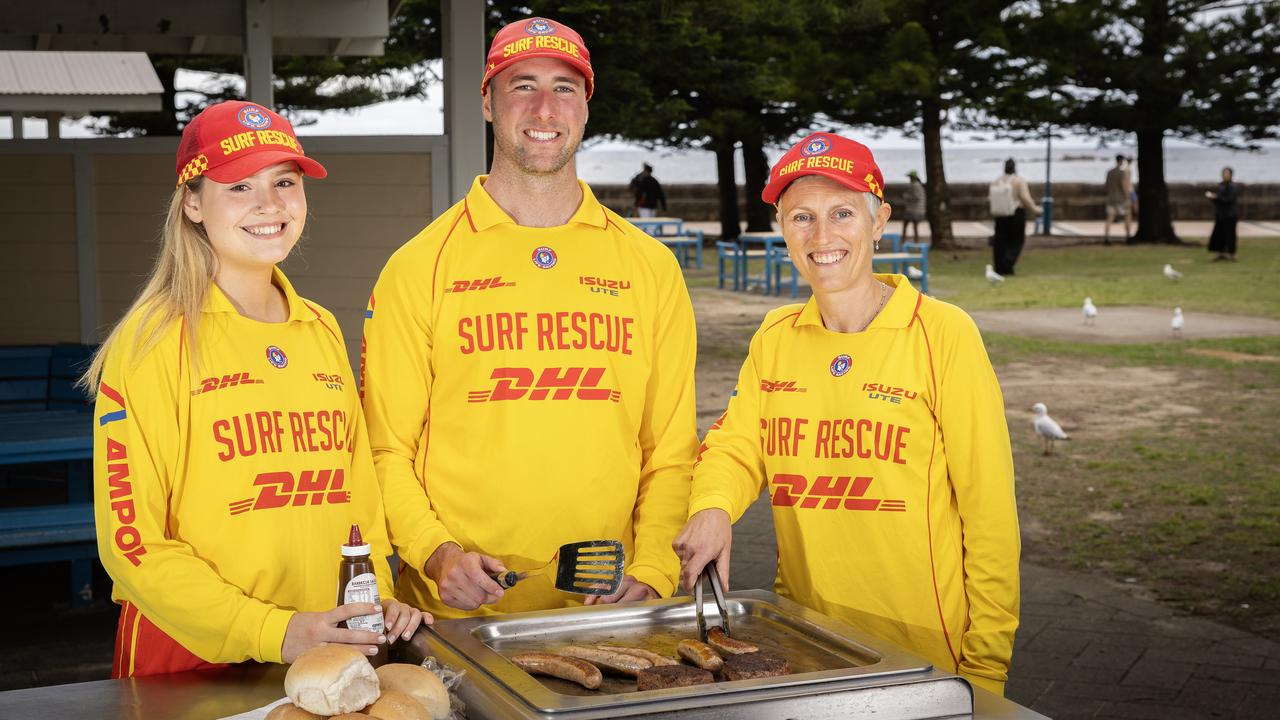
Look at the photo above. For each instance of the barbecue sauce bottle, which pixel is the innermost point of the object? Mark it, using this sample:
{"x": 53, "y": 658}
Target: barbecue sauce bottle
{"x": 358, "y": 584}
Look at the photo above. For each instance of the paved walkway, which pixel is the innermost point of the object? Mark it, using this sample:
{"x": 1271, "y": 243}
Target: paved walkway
{"x": 1090, "y": 648}
{"x": 1121, "y": 324}
{"x": 1068, "y": 231}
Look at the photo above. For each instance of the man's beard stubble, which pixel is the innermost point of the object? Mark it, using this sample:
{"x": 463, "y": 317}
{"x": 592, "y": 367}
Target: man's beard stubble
{"x": 520, "y": 157}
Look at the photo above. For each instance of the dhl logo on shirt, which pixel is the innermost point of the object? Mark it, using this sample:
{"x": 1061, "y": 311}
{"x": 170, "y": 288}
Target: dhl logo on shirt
{"x": 208, "y": 385}
{"x": 780, "y": 386}
{"x": 281, "y": 489}
{"x": 478, "y": 284}
{"x": 833, "y": 493}
{"x": 553, "y": 383}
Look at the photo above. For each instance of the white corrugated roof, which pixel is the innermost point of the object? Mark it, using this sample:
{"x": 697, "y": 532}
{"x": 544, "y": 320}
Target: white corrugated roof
{"x": 77, "y": 73}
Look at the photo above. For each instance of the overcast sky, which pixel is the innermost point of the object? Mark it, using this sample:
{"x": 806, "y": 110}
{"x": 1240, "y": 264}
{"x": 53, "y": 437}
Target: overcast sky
{"x": 425, "y": 117}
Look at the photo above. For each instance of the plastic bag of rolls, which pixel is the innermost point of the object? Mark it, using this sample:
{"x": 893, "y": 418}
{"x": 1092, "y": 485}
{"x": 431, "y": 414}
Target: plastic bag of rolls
{"x": 337, "y": 681}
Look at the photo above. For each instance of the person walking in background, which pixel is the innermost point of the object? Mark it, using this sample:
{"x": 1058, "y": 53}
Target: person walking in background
{"x": 1010, "y": 200}
{"x": 1225, "y": 215}
{"x": 1118, "y": 187}
{"x": 913, "y": 204}
{"x": 648, "y": 193}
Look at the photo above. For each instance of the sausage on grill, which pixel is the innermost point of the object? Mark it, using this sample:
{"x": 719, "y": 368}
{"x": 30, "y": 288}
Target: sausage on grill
{"x": 653, "y": 657}
{"x": 615, "y": 662}
{"x": 699, "y": 654}
{"x": 727, "y": 645}
{"x": 565, "y": 668}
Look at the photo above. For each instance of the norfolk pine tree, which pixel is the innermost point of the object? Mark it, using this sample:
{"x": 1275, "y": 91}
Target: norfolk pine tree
{"x": 1205, "y": 71}
{"x": 919, "y": 66}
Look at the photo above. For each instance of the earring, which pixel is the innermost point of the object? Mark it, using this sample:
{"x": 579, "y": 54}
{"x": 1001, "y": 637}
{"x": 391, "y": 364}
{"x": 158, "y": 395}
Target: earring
{"x": 877, "y": 245}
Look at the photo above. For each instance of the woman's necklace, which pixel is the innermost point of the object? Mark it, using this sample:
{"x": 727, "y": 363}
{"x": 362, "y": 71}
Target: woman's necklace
{"x": 884, "y": 297}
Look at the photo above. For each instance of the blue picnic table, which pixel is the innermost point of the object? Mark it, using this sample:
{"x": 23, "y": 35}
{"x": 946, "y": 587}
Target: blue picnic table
{"x": 45, "y": 419}
{"x": 670, "y": 231}
{"x": 657, "y": 226}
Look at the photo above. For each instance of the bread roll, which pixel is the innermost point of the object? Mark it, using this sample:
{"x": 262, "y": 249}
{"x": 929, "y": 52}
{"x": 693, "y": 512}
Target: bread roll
{"x": 331, "y": 680}
{"x": 289, "y": 711}
{"x": 349, "y": 716}
{"x": 420, "y": 683}
{"x": 397, "y": 705}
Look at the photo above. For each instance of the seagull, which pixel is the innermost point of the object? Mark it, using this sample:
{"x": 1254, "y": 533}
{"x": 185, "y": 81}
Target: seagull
{"x": 1170, "y": 273}
{"x": 1177, "y": 322}
{"x": 993, "y": 277}
{"x": 1090, "y": 312}
{"x": 914, "y": 273}
{"x": 1047, "y": 428}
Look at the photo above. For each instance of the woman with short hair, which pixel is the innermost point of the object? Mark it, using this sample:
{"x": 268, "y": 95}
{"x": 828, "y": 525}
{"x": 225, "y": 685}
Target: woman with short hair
{"x": 887, "y": 459}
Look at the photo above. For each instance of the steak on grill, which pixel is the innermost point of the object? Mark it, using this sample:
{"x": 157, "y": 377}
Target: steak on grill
{"x": 672, "y": 676}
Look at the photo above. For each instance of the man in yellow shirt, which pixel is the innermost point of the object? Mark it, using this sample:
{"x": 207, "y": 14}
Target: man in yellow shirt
{"x": 873, "y": 418}
{"x": 528, "y": 363}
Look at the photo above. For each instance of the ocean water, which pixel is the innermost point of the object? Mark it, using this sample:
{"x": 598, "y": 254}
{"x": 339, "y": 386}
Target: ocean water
{"x": 979, "y": 163}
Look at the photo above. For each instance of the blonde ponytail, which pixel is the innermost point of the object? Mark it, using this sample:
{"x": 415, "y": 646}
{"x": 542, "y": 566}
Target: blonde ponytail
{"x": 175, "y": 289}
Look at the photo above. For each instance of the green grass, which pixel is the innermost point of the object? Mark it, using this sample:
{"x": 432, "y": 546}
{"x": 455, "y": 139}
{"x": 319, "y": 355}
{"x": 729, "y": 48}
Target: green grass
{"x": 1117, "y": 275}
{"x": 1188, "y": 507}
{"x": 1004, "y": 349}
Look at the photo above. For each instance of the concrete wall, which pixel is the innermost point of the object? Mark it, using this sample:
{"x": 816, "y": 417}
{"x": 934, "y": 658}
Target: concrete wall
{"x": 1072, "y": 201}
{"x": 37, "y": 249}
{"x": 99, "y": 204}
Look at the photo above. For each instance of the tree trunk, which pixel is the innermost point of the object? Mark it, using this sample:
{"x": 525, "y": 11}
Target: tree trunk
{"x": 756, "y": 165}
{"x": 167, "y": 74}
{"x": 727, "y": 183}
{"x": 1154, "y": 221}
{"x": 1155, "y": 224}
{"x": 937, "y": 194}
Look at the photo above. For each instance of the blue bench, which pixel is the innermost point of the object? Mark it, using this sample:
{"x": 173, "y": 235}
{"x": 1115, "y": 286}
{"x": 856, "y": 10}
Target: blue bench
{"x": 904, "y": 256}
{"x": 735, "y": 255}
{"x": 686, "y": 246}
{"x": 45, "y": 418}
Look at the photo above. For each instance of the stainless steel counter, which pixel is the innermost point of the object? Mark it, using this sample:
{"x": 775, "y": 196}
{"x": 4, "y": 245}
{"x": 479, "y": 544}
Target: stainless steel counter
{"x": 839, "y": 673}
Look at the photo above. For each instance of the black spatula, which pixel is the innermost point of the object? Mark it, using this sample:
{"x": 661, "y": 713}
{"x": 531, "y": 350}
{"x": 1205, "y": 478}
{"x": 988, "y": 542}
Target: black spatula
{"x": 593, "y": 567}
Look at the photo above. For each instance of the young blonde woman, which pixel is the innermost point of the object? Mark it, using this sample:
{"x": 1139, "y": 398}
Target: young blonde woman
{"x": 230, "y": 454}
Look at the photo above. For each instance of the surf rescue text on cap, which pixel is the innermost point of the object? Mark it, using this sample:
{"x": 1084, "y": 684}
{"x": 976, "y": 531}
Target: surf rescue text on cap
{"x": 847, "y": 162}
{"x": 232, "y": 140}
{"x": 537, "y": 37}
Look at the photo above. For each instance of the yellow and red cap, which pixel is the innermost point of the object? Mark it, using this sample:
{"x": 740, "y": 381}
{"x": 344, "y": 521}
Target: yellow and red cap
{"x": 533, "y": 38}
{"x": 847, "y": 162}
{"x": 232, "y": 140}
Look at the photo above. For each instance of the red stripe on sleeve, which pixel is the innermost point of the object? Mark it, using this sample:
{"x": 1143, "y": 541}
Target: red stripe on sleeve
{"x": 111, "y": 392}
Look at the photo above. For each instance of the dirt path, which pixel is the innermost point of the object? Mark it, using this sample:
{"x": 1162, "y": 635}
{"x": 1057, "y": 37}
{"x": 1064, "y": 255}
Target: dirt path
{"x": 1121, "y": 324}
{"x": 1145, "y": 492}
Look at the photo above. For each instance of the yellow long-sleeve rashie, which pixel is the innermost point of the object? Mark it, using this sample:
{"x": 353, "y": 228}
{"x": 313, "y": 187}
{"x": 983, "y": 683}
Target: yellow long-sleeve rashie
{"x": 529, "y": 387}
{"x": 224, "y": 491}
{"x": 887, "y": 460}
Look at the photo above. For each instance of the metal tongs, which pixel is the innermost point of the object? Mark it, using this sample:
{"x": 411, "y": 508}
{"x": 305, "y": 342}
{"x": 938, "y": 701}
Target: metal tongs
{"x": 709, "y": 573}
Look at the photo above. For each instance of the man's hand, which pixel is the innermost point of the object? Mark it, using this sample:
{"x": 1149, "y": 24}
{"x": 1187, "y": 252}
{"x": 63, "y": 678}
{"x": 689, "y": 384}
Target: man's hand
{"x": 707, "y": 536}
{"x": 463, "y": 577}
{"x": 309, "y": 629}
{"x": 630, "y": 589}
{"x": 401, "y": 620}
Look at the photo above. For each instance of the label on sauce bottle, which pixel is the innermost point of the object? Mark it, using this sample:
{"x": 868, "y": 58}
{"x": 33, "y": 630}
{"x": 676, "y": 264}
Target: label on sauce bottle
{"x": 358, "y": 584}
{"x": 363, "y": 588}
